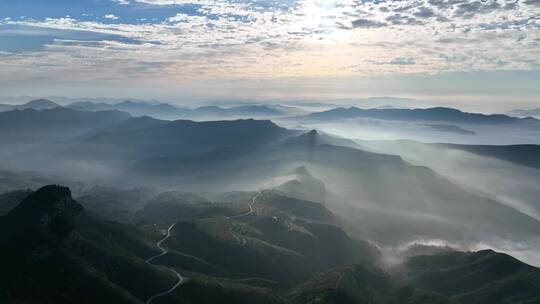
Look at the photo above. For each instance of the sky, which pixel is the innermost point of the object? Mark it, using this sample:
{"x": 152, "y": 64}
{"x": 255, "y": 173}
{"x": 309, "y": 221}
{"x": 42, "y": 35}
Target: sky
{"x": 465, "y": 52}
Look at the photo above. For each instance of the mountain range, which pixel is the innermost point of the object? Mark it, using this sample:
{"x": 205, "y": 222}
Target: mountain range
{"x": 219, "y": 155}
{"x": 36, "y": 104}
{"x": 170, "y": 112}
{"x": 438, "y": 114}
{"x": 173, "y": 112}
{"x": 283, "y": 251}
{"x": 247, "y": 211}
{"x": 525, "y": 113}
{"x": 158, "y": 110}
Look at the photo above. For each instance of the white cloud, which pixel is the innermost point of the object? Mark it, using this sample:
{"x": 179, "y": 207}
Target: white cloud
{"x": 236, "y": 39}
{"x": 111, "y": 17}
{"x": 121, "y": 2}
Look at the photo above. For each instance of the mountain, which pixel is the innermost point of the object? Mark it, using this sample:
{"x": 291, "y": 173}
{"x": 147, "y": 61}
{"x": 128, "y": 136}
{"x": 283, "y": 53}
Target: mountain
{"x": 162, "y": 110}
{"x": 509, "y": 174}
{"x": 303, "y": 185}
{"x": 449, "y": 129}
{"x": 281, "y": 239}
{"x": 119, "y": 205}
{"x": 131, "y": 124}
{"x": 187, "y": 137}
{"x": 10, "y": 200}
{"x": 54, "y": 124}
{"x": 134, "y": 108}
{"x": 367, "y": 188}
{"x": 38, "y": 104}
{"x": 241, "y": 111}
{"x": 356, "y": 284}
{"x": 53, "y": 252}
{"x": 171, "y": 206}
{"x": 445, "y": 277}
{"x": 525, "y": 155}
{"x": 439, "y": 114}
{"x": 315, "y": 137}
{"x": 5, "y": 107}
{"x": 89, "y": 106}
{"x": 525, "y": 113}
{"x": 256, "y": 247}
{"x": 171, "y": 112}
{"x": 475, "y": 277}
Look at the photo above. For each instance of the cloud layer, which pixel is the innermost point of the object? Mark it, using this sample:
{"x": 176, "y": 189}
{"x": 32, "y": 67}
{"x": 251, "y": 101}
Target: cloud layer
{"x": 179, "y": 40}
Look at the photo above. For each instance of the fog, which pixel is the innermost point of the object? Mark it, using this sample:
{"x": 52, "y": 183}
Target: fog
{"x": 375, "y": 129}
{"x": 514, "y": 185}
{"x": 406, "y": 193}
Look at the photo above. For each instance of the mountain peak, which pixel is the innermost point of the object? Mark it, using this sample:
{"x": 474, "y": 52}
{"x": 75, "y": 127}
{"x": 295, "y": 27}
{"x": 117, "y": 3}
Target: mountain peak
{"x": 127, "y": 102}
{"x": 301, "y": 170}
{"x": 39, "y": 104}
{"x": 52, "y": 193}
{"x": 49, "y": 212}
{"x": 311, "y": 138}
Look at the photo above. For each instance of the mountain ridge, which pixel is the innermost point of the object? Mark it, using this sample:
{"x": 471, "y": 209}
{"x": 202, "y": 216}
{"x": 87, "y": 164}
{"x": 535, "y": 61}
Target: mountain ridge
{"x": 442, "y": 114}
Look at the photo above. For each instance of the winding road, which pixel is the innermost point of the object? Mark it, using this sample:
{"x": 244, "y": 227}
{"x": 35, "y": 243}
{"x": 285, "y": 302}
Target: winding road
{"x": 250, "y": 212}
{"x": 164, "y": 252}
{"x": 240, "y": 239}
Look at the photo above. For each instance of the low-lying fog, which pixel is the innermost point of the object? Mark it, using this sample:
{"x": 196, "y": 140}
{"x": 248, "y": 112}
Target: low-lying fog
{"x": 374, "y": 129}
{"x": 384, "y": 200}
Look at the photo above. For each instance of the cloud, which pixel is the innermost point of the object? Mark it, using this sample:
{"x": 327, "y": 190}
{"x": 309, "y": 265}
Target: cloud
{"x": 260, "y": 39}
{"x": 470, "y": 9}
{"x": 111, "y": 17}
{"x": 121, "y": 2}
{"x": 364, "y": 23}
{"x": 532, "y": 2}
{"x": 403, "y": 61}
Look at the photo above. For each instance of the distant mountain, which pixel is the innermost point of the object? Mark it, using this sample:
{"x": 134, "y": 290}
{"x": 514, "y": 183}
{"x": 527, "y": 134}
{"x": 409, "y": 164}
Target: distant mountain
{"x": 134, "y": 108}
{"x": 509, "y": 174}
{"x": 525, "y": 113}
{"x": 53, "y": 252}
{"x": 67, "y": 118}
{"x": 89, "y": 106}
{"x": 449, "y": 129}
{"x": 162, "y": 110}
{"x": 185, "y": 137}
{"x": 315, "y": 137}
{"x": 171, "y": 112}
{"x": 131, "y": 124}
{"x": 427, "y": 115}
{"x": 248, "y": 110}
{"x": 5, "y": 107}
{"x": 525, "y": 155}
{"x": 38, "y": 104}
{"x": 58, "y": 123}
